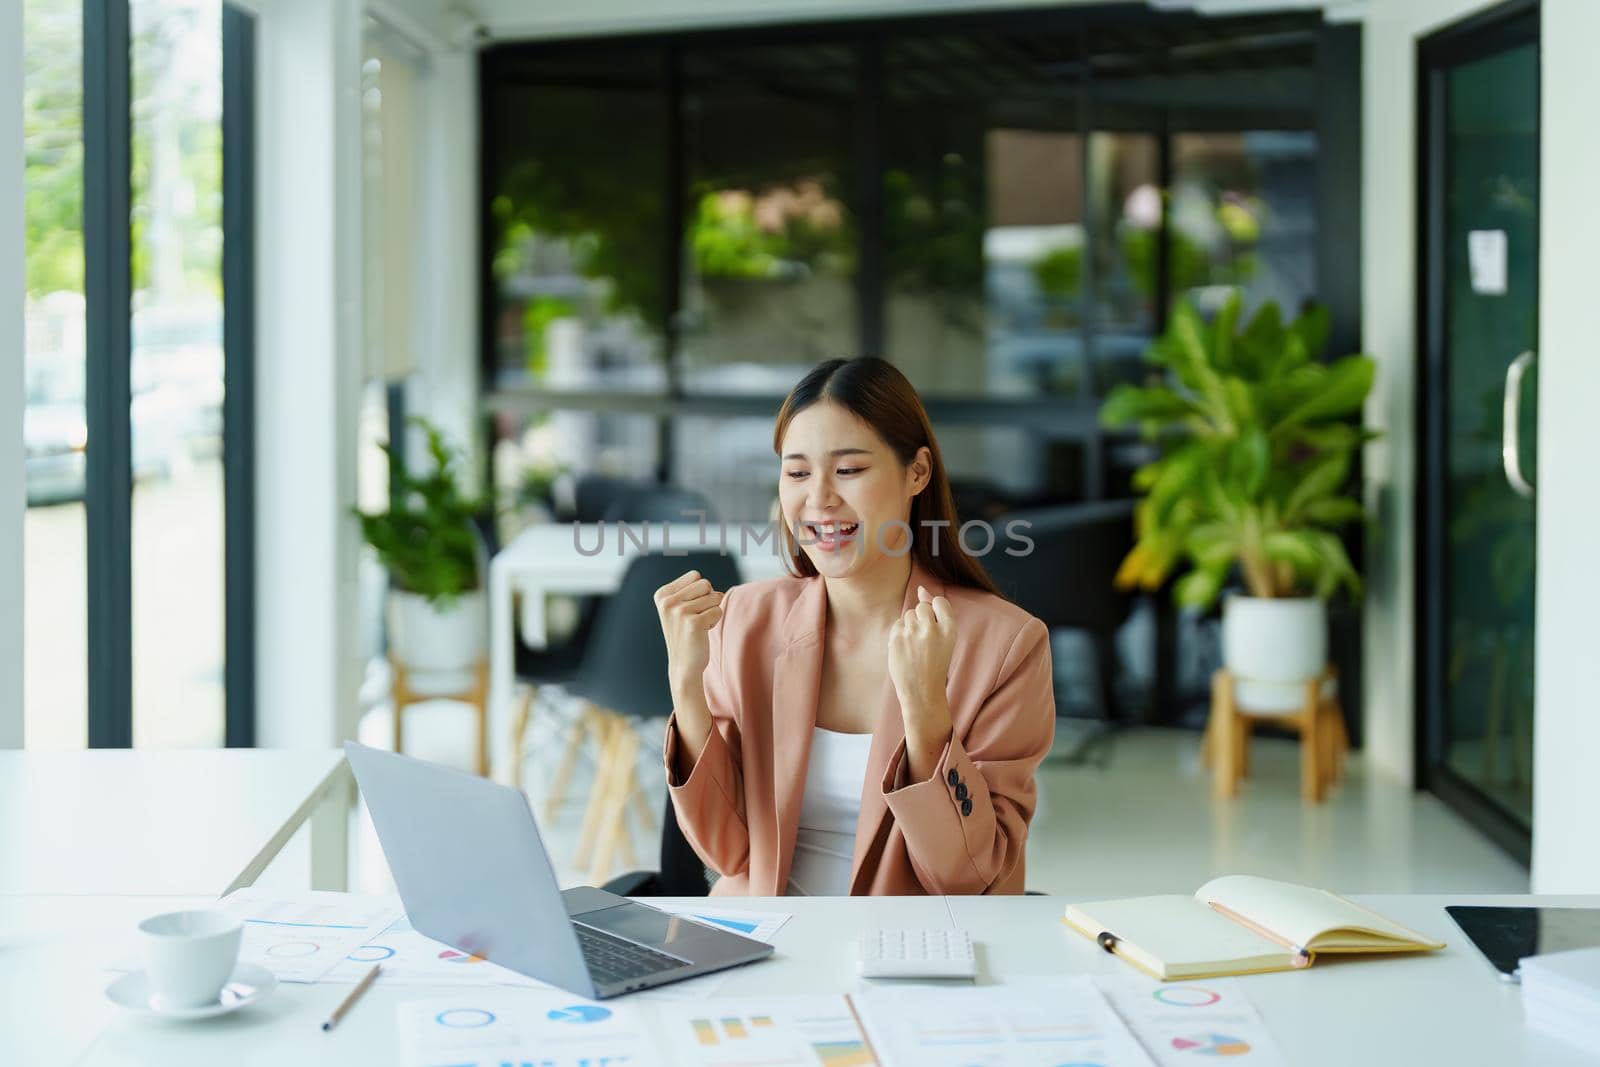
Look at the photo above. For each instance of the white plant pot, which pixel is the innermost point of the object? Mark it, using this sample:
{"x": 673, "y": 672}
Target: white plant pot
{"x": 1272, "y": 647}
{"x": 430, "y": 641}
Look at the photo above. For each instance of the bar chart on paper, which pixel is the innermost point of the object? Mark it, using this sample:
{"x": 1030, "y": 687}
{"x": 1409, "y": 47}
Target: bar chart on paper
{"x": 803, "y": 1031}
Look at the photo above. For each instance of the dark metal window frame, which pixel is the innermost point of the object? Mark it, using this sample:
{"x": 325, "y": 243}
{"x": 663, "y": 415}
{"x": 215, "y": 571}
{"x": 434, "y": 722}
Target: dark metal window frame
{"x": 108, "y": 304}
{"x": 108, "y": 285}
{"x": 239, "y": 366}
{"x": 1486, "y": 33}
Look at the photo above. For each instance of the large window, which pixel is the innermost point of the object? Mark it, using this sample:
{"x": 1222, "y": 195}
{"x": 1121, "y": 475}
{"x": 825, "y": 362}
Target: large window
{"x": 1005, "y": 206}
{"x": 176, "y": 374}
{"x": 769, "y": 238}
{"x": 577, "y": 224}
{"x": 54, "y": 426}
{"x": 135, "y": 630}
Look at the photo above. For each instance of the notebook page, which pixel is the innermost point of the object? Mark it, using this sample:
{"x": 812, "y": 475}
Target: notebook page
{"x": 1178, "y": 931}
{"x": 1297, "y": 912}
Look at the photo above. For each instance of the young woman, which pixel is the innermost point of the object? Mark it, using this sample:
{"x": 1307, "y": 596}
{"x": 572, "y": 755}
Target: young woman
{"x": 873, "y": 723}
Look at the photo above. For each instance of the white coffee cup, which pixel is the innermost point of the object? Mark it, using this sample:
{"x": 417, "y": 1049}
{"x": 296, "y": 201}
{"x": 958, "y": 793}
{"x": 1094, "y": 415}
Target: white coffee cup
{"x": 189, "y": 955}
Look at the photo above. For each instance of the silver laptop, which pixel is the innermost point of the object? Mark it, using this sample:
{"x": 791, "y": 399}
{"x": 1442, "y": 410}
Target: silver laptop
{"x": 473, "y": 873}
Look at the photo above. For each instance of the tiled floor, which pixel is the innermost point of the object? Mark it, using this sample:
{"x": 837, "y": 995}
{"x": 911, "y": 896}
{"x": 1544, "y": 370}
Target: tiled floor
{"x": 1142, "y": 820}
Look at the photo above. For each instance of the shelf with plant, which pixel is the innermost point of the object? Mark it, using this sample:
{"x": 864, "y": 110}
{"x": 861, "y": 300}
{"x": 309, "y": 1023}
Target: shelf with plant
{"x": 428, "y": 541}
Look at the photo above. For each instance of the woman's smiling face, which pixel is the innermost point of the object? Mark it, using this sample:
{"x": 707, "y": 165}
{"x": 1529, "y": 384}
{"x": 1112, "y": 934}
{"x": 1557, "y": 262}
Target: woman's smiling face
{"x": 841, "y": 485}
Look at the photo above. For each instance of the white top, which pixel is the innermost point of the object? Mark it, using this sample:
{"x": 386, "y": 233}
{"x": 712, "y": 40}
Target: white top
{"x": 826, "y": 841}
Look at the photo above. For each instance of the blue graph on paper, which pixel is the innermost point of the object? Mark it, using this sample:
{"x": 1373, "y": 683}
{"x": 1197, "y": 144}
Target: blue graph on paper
{"x": 741, "y": 925}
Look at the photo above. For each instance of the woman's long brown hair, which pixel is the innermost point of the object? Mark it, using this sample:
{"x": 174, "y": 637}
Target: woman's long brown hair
{"x": 879, "y": 395}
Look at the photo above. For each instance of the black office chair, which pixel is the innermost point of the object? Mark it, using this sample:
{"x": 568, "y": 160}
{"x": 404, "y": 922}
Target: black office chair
{"x": 599, "y": 498}
{"x": 1066, "y": 580}
{"x": 623, "y": 676}
{"x": 658, "y": 503}
{"x": 594, "y": 493}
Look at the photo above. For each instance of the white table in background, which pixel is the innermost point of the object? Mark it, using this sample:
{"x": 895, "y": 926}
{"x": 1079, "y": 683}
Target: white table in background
{"x": 1445, "y": 1007}
{"x": 546, "y": 559}
{"x": 133, "y": 821}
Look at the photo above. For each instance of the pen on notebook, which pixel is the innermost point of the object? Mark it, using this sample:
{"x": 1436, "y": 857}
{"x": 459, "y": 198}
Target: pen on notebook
{"x": 344, "y": 1005}
{"x": 1302, "y": 958}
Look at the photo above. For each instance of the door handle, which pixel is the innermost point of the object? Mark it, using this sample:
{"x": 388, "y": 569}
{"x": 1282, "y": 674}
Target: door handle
{"x": 1510, "y": 436}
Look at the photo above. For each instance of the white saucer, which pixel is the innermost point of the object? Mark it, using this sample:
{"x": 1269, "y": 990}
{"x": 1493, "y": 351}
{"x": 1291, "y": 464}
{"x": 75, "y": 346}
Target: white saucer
{"x": 248, "y": 984}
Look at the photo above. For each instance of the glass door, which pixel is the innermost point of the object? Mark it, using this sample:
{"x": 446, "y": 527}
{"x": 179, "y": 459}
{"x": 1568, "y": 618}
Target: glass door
{"x": 1479, "y": 170}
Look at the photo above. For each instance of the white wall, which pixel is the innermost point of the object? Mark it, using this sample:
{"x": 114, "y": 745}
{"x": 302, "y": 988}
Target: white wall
{"x": 1388, "y": 301}
{"x": 1566, "y": 842}
{"x": 308, "y": 315}
{"x": 11, "y": 351}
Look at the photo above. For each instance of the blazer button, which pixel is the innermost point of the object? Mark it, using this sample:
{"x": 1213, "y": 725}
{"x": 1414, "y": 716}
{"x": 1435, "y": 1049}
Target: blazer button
{"x": 966, "y": 806}
{"x": 961, "y": 790}
{"x": 952, "y": 777}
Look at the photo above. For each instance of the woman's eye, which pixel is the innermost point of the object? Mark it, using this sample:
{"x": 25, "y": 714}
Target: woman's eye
{"x": 851, "y": 470}
{"x": 796, "y": 474}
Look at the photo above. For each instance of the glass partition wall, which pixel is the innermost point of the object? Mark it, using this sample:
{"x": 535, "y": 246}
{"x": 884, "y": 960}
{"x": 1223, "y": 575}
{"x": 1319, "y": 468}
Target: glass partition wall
{"x": 676, "y": 227}
{"x": 1004, "y": 207}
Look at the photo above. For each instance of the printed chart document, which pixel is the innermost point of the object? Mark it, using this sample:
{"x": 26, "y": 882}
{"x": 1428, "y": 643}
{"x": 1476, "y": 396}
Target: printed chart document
{"x": 300, "y": 936}
{"x": 760, "y": 925}
{"x": 522, "y": 1029}
{"x": 1177, "y": 1021}
{"x": 803, "y": 1031}
{"x": 410, "y": 958}
{"x": 1039, "y": 1021}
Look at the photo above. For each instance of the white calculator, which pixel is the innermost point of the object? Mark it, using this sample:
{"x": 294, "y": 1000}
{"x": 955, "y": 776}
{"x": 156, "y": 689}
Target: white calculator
{"x": 944, "y": 952}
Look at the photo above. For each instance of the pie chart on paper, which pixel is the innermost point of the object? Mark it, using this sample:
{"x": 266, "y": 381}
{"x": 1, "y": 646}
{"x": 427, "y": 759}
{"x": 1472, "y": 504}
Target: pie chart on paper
{"x": 1212, "y": 1045}
{"x": 579, "y": 1013}
{"x": 450, "y": 955}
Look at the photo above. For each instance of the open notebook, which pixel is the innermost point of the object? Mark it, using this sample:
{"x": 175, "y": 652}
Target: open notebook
{"x": 1239, "y": 924}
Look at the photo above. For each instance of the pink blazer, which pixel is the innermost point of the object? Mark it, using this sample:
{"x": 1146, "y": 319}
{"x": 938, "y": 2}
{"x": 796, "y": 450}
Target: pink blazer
{"x": 963, "y": 830}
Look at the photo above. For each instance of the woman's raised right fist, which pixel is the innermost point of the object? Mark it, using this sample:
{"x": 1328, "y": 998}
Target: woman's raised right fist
{"x": 689, "y": 608}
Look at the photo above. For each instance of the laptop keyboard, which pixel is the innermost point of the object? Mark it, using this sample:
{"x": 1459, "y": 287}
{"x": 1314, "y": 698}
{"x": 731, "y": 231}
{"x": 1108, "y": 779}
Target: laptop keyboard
{"x": 612, "y": 959}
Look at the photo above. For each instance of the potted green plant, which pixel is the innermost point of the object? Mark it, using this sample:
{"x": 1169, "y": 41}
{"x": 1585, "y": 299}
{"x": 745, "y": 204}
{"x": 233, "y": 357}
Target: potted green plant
{"x": 1257, "y": 439}
{"x": 429, "y": 543}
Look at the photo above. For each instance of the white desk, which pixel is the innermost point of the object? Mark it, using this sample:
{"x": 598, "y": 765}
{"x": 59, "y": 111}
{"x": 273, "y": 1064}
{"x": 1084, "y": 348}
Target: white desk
{"x": 53, "y": 951}
{"x": 553, "y": 558}
{"x": 1445, "y": 1007}
{"x": 175, "y": 823}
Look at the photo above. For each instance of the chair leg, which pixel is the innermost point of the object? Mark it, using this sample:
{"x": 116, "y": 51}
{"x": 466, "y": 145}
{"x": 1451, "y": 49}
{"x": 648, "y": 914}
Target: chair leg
{"x": 519, "y": 733}
{"x": 641, "y": 809}
{"x": 607, "y": 768}
{"x": 588, "y": 721}
{"x": 614, "y": 825}
{"x": 480, "y": 703}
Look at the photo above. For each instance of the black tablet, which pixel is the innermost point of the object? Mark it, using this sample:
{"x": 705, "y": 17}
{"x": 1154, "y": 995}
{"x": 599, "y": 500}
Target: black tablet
{"x": 1506, "y": 935}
